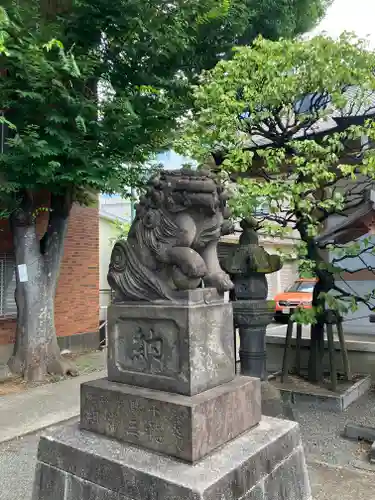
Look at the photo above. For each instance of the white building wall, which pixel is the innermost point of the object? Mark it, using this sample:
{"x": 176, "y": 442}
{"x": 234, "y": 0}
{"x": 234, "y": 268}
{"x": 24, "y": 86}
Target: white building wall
{"x": 358, "y": 322}
{"x": 107, "y": 234}
{"x": 116, "y": 206}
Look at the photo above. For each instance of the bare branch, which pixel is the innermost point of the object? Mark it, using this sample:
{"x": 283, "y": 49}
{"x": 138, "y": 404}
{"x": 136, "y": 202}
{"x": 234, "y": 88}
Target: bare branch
{"x": 347, "y": 295}
{"x": 352, "y": 255}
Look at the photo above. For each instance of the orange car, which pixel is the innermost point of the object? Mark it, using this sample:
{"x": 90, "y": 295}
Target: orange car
{"x": 297, "y": 295}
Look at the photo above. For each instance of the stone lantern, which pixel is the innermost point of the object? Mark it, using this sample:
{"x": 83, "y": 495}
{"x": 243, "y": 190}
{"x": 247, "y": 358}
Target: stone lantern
{"x": 248, "y": 264}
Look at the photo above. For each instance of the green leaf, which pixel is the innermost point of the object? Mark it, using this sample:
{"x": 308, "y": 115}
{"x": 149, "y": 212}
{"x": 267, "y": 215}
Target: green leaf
{"x": 81, "y": 126}
{"x": 51, "y": 44}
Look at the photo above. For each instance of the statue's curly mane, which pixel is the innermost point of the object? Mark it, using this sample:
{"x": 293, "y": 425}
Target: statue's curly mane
{"x": 143, "y": 261}
{"x": 176, "y": 191}
{"x": 157, "y": 235}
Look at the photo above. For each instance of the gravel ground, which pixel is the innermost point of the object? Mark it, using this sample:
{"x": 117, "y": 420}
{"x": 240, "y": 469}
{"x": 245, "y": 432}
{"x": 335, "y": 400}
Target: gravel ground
{"x": 321, "y": 432}
{"x": 17, "y": 463}
{"x": 332, "y": 483}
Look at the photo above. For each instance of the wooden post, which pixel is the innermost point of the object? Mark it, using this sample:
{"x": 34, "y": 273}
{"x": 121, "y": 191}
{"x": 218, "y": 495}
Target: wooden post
{"x": 332, "y": 360}
{"x": 344, "y": 352}
{"x": 288, "y": 343}
{"x": 298, "y": 349}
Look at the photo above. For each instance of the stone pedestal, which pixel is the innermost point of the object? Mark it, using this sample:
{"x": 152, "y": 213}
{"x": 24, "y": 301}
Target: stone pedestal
{"x": 252, "y": 318}
{"x": 172, "y": 422}
{"x": 185, "y": 347}
{"x": 266, "y": 463}
{"x": 181, "y": 426}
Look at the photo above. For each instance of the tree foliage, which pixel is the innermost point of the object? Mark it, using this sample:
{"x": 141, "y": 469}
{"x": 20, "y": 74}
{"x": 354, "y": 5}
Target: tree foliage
{"x": 290, "y": 122}
{"x": 122, "y": 229}
{"x": 143, "y": 56}
{"x": 274, "y": 19}
{"x": 50, "y": 97}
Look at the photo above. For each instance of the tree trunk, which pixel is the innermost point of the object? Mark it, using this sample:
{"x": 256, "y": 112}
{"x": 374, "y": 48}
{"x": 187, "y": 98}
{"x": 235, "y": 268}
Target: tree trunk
{"x": 324, "y": 285}
{"x": 316, "y": 354}
{"x": 36, "y": 352}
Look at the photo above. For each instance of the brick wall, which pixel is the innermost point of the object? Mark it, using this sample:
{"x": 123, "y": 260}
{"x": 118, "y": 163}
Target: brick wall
{"x": 77, "y": 297}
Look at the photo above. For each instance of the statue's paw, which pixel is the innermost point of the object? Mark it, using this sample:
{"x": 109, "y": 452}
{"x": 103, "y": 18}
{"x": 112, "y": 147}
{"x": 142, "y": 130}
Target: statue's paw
{"x": 197, "y": 271}
{"x": 195, "y": 267}
{"x": 220, "y": 281}
{"x": 183, "y": 282}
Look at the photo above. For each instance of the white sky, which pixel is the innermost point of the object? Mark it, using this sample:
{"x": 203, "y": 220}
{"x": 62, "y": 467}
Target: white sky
{"x": 350, "y": 15}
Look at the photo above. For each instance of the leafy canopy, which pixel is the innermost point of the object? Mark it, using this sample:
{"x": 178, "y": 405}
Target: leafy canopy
{"x": 63, "y": 137}
{"x": 274, "y": 19}
{"x": 143, "y": 57}
{"x": 289, "y": 121}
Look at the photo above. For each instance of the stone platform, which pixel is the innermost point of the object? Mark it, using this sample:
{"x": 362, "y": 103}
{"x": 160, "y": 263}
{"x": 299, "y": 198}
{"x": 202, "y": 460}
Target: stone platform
{"x": 172, "y": 421}
{"x": 296, "y": 389}
{"x": 180, "y": 426}
{"x": 266, "y": 463}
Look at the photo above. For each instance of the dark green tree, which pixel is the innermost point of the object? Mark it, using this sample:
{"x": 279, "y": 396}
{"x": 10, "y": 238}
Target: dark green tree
{"x": 274, "y": 19}
{"x": 86, "y": 87}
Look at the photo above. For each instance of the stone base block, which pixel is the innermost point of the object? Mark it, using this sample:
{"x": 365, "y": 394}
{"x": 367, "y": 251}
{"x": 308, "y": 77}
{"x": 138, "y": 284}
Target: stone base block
{"x": 266, "y": 463}
{"x": 359, "y": 432}
{"x": 186, "y": 427}
{"x": 299, "y": 390}
{"x": 185, "y": 347}
{"x": 273, "y": 404}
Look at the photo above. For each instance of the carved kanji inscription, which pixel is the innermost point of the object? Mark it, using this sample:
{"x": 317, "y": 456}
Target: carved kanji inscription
{"x": 147, "y": 348}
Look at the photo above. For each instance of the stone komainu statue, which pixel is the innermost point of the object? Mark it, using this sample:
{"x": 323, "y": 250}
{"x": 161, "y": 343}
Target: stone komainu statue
{"x": 172, "y": 243}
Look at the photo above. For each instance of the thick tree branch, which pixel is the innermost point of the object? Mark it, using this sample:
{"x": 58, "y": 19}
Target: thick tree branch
{"x": 60, "y": 207}
{"x": 52, "y": 243}
{"x": 23, "y": 215}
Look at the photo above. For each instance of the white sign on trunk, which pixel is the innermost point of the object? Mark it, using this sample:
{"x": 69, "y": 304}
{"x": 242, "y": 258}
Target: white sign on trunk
{"x": 22, "y": 273}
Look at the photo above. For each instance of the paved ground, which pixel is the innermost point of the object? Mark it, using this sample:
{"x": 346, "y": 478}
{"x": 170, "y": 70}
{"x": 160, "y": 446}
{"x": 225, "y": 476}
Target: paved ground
{"x": 33, "y": 409}
{"x": 40, "y": 407}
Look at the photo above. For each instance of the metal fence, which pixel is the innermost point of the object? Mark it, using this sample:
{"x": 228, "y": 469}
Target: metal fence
{"x": 106, "y": 298}
{"x": 8, "y": 308}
